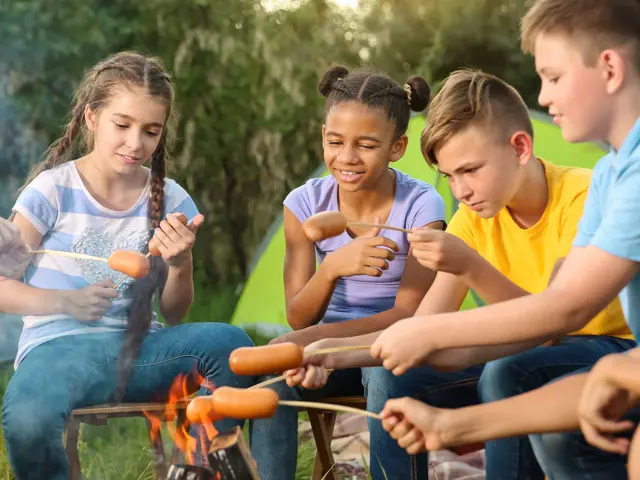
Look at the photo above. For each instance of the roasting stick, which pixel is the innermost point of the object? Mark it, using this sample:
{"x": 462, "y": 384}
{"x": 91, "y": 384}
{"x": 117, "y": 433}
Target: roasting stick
{"x": 329, "y": 406}
{"x": 238, "y": 403}
{"x": 375, "y": 225}
{"x": 81, "y": 256}
{"x": 330, "y": 224}
{"x": 271, "y": 381}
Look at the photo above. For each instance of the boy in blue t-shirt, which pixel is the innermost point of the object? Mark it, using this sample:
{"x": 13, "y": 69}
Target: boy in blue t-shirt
{"x": 588, "y": 56}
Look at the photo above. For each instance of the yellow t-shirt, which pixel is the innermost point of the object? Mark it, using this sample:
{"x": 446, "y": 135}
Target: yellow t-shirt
{"x": 527, "y": 256}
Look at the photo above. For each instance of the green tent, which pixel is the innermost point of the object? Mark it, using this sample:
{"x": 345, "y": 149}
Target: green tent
{"x": 262, "y": 300}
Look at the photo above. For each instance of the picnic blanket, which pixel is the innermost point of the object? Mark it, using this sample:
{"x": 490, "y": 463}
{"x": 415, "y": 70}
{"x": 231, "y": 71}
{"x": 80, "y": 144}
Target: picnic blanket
{"x": 351, "y": 443}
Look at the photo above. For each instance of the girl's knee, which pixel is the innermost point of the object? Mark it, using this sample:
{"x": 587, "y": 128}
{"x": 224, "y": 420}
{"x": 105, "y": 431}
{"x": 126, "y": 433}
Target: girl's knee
{"x": 30, "y": 419}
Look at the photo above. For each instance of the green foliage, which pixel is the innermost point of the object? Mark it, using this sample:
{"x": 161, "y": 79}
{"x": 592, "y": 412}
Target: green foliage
{"x": 249, "y": 111}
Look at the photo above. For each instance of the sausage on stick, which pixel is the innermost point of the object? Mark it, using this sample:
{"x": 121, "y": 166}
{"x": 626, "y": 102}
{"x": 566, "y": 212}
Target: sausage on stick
{"x": 331, "y": 224}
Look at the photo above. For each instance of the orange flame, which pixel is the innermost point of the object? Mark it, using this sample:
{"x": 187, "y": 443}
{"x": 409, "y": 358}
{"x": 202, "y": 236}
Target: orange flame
{"x": 182, "y": 387}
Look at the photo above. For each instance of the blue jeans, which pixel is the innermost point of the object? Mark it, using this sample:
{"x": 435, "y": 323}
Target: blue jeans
{"x": 450, "y": 390}
{"x": 567, "y": 455}
{"x": 274, "y": 440}
{"x": 79, "y": 371}
{"x": 513, "y": 458}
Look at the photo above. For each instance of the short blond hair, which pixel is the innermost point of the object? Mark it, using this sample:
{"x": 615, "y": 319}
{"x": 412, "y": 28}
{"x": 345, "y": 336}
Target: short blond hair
{"x": 473, "y": 98}
{"x": 596, "y": 24}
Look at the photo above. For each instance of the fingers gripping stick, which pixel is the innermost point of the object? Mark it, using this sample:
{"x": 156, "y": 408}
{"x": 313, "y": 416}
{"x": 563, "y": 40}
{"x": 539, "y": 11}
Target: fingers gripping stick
{"x": 153, "y": 248}
{"x": 330, "y": 224}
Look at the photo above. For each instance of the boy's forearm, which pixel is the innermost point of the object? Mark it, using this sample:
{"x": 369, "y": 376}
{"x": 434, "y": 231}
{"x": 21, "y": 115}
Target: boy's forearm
{"x": 178, "y": 293}
{"x": 309, "y": 305}
{"x": 552, "y": 408}
{"x": 489, "y": 283}
{"x": 461, "y": 358}
{"x": 354, "y": 358}
{"x": 537, "y": 317}
{"x": 623, "y": 372}
{"x": 364, "y": 326}
{"x": 21, "y": 299}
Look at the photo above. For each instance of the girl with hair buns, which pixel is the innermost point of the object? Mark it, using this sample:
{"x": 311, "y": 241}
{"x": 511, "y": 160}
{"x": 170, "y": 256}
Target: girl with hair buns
{"x": 364, "y": 281}
{"x": 94, "y": 194}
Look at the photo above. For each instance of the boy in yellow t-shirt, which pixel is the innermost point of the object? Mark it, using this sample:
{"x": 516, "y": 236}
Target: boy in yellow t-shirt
{"x": 517, "y": 219}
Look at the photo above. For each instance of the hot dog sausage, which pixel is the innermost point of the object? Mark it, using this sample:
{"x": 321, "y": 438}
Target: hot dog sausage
{"x": 200, "y": 410}
{"x": 152, "y": 244}
{"x": 324, "y": 225}
{"x": 268, "y": 359}
{"x": 237, "y": 403}
{"x": 133, "y": 264}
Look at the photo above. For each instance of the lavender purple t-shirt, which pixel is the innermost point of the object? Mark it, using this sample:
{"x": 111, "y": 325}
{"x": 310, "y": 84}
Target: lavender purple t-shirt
{"x": 416, "y": 204}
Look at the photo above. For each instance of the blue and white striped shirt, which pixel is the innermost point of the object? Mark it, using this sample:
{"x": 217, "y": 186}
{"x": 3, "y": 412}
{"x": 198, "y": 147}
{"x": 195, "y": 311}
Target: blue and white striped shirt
{"x": 60, "y": 207}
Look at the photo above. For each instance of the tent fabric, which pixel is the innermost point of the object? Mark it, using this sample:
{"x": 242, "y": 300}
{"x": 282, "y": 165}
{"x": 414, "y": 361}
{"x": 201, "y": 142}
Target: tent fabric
{"x": 262, "y": 300}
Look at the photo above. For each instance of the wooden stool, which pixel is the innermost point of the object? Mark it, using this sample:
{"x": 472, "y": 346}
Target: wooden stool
{"x": 322, "y": 425}
{"x": 99, "y": 415}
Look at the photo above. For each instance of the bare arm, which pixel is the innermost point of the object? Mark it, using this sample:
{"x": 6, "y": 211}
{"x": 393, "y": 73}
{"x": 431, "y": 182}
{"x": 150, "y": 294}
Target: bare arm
{"x": 460, "y": 358}
{"x": 415, "y": 283}
{"x": 307, "y": 291}
{"x": 445, "y": 295}
{"x": 588, "y": 281}
{"x": 18, "y": 298}
{"x": 178, "y": 293}
{"x": 552, "y": 408}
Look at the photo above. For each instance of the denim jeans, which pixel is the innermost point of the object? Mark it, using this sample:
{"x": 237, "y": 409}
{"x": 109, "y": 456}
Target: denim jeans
{"x": 567, "y": 455}
{"x": 274, "y": 440}
{"x": 513, "y": 458}
{"x": 79, "y": 371}
{"x": 439, "y": 389}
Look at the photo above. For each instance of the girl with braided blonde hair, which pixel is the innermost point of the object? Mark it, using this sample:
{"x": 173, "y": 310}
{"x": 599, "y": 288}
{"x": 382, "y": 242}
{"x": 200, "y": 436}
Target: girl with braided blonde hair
{"x": 102, "y": 188}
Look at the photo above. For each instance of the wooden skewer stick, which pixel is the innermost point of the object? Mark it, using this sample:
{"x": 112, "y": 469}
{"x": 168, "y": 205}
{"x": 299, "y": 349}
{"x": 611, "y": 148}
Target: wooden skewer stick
{"x": 349, "y": 348}
{"x": 81, "y": 256}
{"x": 271, "y": 381}
{"x": 375, "y": 225}
{"x": 329, "y": 406}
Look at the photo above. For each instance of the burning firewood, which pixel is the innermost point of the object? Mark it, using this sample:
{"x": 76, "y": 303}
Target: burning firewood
{"x": 231, "y": 459}
{"x": 189, "y": 472}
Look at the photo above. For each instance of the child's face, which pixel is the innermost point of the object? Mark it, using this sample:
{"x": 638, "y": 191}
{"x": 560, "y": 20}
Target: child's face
{"x": 127, "y": 129}
{"x": 358, "y": 145}
{"x": 575, "y": 94}
{"x": 483, "y": 173}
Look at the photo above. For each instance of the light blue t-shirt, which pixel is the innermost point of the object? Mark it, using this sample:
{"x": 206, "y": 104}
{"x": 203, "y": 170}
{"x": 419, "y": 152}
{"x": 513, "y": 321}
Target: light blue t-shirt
{"x": 416, "y": 204}
{"x": 611, "y": 216}
{"x": 60, "y": 207}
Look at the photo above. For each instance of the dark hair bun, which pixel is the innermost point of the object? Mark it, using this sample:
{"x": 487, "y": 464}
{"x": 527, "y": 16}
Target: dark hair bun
{"x": 329, "y": 78}
{"x": 420, "y": 93}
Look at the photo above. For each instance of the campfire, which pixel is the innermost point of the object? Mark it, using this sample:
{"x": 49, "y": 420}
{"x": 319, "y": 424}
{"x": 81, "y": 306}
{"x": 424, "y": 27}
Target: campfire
{"x": 209, "y": 455}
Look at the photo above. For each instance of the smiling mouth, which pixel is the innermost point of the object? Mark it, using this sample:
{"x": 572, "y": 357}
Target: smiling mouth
{"x": 128, "y": 158}
{"x": 345, "y": 172}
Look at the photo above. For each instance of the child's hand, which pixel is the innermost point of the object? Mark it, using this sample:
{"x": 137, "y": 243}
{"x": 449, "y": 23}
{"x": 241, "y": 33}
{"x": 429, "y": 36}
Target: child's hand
{"x": 88, "y": 303}
{"x": 175, "y": 240}
{"x": 415, "y": 425}
{"x": 402, "y": 346}
{"x": 314, "y": 372}
{"x": 364, "y": 255}
{"x": 440, "y": 251}
{"x": 603, "y": 403}
{"x": 14, "y": 253}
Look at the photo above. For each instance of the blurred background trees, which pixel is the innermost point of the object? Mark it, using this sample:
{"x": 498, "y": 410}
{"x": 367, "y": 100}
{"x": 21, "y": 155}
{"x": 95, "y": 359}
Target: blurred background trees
{"x": 245, "y": 72}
